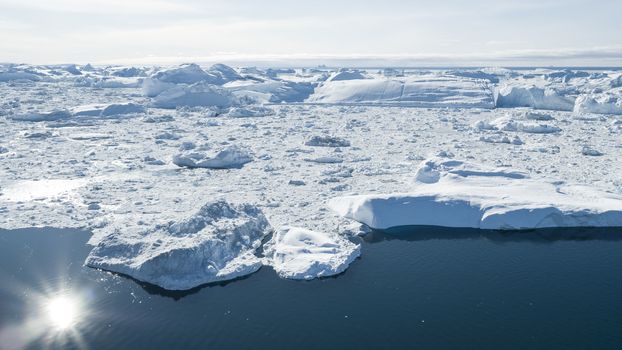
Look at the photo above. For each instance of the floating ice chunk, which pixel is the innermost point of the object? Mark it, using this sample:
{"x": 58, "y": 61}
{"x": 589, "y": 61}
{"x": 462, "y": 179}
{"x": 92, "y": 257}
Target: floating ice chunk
{"x": 248, "y": 112}
{"x": 605, "y": 103}
{"x": 460, "y": 194}
{"x": 3, "y": 150}
{"x": 216, "y": 243}
{"x": 116, "y": 109}
{"x": 42, "y": 116}
{"x": 298, "y": 253}
{"x": 534, "y": 97}
{"x": 509, "y": 124}
{"x": 538, "y": 116}
{"x": 499, "y": 138}
{"x": 325, "y": 160}
{"x": 199, "y": 94}
{"x": 204, "y": 157}
{"x": 327, "y": 141}
{"x": 108, "y": 110}
{"x": 589, "y": 151}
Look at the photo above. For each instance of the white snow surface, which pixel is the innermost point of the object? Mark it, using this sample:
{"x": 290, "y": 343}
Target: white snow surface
{"x": 454, "y": 193}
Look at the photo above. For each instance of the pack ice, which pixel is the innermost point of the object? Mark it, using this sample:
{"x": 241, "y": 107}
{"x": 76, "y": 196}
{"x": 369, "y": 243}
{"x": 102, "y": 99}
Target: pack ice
{"x": 454, "y": 193}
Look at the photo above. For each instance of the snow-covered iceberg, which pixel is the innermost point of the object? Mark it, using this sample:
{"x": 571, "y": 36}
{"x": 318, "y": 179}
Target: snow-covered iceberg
{"x": 216, "y": 243}
{"x": 412, "y": 91}
{"x": 453, "y": 193}
{"x": 299, "y": 253}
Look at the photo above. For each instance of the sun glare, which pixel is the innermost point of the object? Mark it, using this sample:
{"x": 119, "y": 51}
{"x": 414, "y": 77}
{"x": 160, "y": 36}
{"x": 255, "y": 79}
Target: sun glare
{"x": 62, "y": 312}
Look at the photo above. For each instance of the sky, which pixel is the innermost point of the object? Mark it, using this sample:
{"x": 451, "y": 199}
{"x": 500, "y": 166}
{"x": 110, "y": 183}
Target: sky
{"x": 306, "y": 33}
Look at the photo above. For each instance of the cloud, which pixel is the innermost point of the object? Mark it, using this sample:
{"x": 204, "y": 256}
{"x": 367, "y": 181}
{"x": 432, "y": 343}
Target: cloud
{"x": 98, "y": 6}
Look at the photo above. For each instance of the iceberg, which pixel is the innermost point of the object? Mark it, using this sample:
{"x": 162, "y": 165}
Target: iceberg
{"x": 203, "y": 157}
{"x": 534, "y": 97}
{"x": 195, "y": 95}
{"x": 298, "y": 253}
{"x": 604, "y": 103}
{"x": 454, "y": 193}
{"x": 413, "y": 91}
{"x": 217, "y": 243}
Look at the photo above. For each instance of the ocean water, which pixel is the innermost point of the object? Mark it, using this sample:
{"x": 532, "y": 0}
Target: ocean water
{"x": 425, "y": 288}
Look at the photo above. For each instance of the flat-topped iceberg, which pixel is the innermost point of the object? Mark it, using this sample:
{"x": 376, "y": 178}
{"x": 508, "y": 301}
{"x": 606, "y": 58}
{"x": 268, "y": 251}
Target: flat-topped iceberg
{"x": 299, "y": 253}
{"x": 217, "y": 243}
{"x": 453, "y": 193}
{"x": 412, "y": 91}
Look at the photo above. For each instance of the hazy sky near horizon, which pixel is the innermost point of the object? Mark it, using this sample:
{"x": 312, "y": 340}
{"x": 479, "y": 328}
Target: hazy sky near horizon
{"x": 418, "y": 32}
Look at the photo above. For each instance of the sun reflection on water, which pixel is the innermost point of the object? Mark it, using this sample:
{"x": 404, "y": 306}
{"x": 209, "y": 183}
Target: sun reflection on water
{"x": 62, "y": 312}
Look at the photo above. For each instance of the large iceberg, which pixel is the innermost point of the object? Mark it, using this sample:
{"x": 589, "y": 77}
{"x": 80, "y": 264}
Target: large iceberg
{"x": 216, "y": 243}
{"x": 453, "y": 193}
{"x": 412, "y": 91}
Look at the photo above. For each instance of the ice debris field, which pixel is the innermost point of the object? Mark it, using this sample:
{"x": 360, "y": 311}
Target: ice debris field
{"x": 188, "y": 175}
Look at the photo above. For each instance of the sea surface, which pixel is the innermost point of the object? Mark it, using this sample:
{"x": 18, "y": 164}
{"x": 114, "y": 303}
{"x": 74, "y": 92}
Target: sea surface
{"x": 424, "y": 288}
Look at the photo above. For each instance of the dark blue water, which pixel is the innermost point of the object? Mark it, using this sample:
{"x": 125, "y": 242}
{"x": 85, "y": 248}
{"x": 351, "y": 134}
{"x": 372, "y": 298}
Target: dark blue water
{"x": 418, "y": 288}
